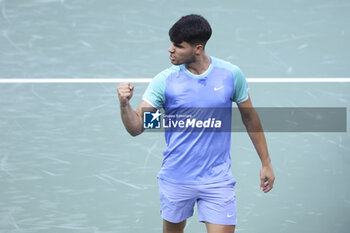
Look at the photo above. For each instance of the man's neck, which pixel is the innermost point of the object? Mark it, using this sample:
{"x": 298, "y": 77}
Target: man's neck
{"x": 199, "y": 66}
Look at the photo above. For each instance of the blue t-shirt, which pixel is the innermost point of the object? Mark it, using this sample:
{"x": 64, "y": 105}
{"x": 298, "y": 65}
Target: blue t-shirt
{"x": 197, "y": 157}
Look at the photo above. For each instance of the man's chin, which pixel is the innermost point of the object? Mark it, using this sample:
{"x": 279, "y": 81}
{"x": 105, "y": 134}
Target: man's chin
{"x": 175, "y": 62}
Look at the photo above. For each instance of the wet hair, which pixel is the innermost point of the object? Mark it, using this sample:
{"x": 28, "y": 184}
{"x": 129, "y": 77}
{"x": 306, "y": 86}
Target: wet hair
{"x": 193, "y": 29}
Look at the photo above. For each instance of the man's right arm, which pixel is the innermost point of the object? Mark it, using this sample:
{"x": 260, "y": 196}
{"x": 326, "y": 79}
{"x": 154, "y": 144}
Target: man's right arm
{"x": 132, "y": 120}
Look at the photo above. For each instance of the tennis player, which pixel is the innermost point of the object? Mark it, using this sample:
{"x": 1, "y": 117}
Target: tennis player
{"x": 197, "y": 166}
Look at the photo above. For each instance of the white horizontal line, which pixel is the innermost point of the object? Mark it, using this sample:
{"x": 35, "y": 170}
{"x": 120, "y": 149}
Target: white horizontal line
{"x": 147, "y": 80}
{"x": 298, "y": 80}
{"x": 80, "y": 80}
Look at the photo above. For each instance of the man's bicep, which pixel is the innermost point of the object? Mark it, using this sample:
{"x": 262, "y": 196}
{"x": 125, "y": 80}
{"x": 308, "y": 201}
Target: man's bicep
{"x": 144, "y": 106}
{"x": 246, "y": 108}
{"x": 246, "y": 103}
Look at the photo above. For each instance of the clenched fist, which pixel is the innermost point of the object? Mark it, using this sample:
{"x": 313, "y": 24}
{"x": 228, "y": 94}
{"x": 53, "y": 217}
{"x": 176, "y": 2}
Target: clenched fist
{"x": 125, "y": 91}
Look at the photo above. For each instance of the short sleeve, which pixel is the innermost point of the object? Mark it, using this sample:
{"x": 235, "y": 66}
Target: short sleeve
{"x": 241, "y": 87}
{"x": 154, "y": 94}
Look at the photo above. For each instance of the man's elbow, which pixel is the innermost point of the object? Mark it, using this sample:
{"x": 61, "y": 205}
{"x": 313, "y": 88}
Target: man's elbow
{"x": 136, "y": 128}
{"x": 247, "y": 119}
{"x": 135, "y": 133}
{"x": 250, "y": 118}
{"x": 252, "y": 123}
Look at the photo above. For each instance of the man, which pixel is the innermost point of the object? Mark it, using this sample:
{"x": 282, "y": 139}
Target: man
{"x": 197, "y": 165}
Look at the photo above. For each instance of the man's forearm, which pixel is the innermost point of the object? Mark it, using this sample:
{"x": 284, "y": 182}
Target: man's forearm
{"x": 131, "y": 120}
{"x": 257, "y": 136}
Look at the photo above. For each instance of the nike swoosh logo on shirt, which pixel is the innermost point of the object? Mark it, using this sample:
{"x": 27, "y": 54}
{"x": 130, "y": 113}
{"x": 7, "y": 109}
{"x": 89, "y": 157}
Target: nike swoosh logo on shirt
{"x": 218, "y": 88}
{"x": 229, "y": 215}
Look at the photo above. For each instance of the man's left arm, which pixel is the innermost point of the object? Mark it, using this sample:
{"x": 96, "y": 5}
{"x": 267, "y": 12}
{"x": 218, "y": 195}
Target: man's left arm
{"x": 252, "y": 123}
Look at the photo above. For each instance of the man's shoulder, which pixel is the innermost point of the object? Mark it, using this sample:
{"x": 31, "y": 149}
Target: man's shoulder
{"x": 167, "y": 72}
{"x": 224, "y": 64}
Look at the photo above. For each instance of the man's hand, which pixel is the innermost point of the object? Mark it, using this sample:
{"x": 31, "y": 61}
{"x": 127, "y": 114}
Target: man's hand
{"x": 125, "y": 92}
{"x": 267, "y": 178}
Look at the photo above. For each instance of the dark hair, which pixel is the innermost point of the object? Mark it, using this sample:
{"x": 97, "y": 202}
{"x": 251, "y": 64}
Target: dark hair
{"x": 193, "y": 29}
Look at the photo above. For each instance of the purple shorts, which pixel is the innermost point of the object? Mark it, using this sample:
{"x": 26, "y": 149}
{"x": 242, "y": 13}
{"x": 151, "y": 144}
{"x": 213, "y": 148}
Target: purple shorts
{"x": 216, "y": 202}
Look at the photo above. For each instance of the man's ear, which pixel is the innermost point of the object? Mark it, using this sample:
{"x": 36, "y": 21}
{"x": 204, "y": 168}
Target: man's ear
{"x": 199, "y": 49}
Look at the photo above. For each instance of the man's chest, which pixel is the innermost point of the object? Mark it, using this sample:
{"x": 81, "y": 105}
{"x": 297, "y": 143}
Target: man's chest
{"x": 211, "y": 91}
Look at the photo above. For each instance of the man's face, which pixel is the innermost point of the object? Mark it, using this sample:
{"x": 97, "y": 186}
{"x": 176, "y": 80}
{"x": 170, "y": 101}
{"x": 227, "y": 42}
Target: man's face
{"x": 182, "y": 53}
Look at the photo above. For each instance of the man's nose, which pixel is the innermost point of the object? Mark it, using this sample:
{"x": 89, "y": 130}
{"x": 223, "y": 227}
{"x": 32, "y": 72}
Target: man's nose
{"x": 171, "y": 48}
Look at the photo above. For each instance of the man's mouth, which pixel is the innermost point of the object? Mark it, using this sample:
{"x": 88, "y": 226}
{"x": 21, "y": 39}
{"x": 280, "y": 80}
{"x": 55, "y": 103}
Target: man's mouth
{"x": 172, "y": 57}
